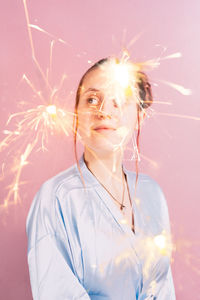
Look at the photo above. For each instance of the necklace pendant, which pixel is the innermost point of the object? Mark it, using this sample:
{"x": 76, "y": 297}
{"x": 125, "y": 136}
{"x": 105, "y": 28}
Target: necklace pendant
{"x": 122, "y": 206}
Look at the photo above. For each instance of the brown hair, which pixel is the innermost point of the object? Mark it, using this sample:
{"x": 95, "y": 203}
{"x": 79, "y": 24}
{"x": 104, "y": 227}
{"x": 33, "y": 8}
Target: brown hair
{"x": 145, "y": 100}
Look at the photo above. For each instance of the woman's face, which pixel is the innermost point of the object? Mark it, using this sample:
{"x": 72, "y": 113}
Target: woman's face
{"x": 106, "y": 115}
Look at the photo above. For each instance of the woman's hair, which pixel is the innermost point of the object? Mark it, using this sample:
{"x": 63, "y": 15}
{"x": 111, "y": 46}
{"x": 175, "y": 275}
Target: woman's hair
{"x": 145, "y": 100}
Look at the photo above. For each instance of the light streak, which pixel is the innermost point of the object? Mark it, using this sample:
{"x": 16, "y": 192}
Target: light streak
{"x": 32, "y": 46}
{"x": 173, "y": 55}
{"x": 179, "y": 88}
{"x": 44, "y": 31}
{"x": 178, "y": 116}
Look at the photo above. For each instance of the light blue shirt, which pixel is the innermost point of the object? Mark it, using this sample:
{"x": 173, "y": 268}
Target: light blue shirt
{"x": 79, "y": 247}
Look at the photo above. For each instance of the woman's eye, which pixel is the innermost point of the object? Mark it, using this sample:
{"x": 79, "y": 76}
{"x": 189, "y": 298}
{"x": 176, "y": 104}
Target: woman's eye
{"x": 115, "y": 104}
{"x": 92, "y": 100}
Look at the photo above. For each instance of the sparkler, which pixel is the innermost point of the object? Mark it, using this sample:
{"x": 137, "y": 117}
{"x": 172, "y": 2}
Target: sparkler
{"x": 34, "y": 125}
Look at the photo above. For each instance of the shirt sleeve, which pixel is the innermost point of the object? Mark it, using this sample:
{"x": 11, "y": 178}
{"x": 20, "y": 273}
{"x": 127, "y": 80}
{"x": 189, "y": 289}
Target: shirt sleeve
{"x": 167, "y": 291}
{"x": 159, "y": 285}
{"x": 50, "y": 257}
{"x": 50, "y": 274}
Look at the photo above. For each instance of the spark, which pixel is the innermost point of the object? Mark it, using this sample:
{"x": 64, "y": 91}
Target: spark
{"x": 179, "y": 88}
{"x": 46, "y": 32}
{"x": 121, "y": 75}
{"x": 155, "y": 63}
{"x": 120, "y": 71}
{"x": 34, "y": 125}
{"x": 178, "y": 116}
{"x": 28, "y": 81}
{"x": 132, "y": 42}
{"x": 162, "y": 102}
{"x": 51, "y": 109}
{"x": 135, "y": 155}
{"x": 151, "y": 161}
{"x": 32, "y": 46}
{"x": 174, "y": 55}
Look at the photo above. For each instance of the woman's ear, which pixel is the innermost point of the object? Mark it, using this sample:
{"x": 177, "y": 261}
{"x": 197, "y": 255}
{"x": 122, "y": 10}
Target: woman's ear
{"x": 142, "y": 115}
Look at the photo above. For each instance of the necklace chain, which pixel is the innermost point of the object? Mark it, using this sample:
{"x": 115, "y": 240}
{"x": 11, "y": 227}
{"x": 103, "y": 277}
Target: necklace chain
{"x": 122, "y": 206}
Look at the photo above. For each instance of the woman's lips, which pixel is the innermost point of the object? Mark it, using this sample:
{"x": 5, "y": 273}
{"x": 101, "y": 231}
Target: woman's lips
{"x": 104, "y": 129}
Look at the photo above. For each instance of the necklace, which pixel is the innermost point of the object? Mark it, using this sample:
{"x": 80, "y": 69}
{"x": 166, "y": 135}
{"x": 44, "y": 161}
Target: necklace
{"x": 132, "y": 216}
{"x": 122, "y": 206}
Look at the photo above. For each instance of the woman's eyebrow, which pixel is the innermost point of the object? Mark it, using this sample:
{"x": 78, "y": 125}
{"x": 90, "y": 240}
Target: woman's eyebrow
{"x": 91, "y": 90}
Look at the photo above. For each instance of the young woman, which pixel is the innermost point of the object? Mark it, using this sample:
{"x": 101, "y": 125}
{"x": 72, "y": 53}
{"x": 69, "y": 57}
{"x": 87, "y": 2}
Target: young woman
{"x": 97, "y": 230}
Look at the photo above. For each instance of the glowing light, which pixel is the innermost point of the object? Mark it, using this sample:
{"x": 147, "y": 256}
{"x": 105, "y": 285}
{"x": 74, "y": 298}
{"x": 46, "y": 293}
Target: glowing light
{"x": 23, "y": 160}
{"x": 121, "y": 74}
{"x": 94, "y": 266}
{"x": 121, "y": 77}
{"x": 160, "y": 241}
{"x": 122, "y": 131}
{"x": 125, "y": 254}
{"x": 123, "y": 221}
{"x": 51, "y": 109}
{"x": 137, "y": 201}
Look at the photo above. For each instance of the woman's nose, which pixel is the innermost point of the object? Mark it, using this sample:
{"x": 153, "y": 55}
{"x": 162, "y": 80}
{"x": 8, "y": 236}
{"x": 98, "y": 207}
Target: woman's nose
{"x": 107, "y": 108}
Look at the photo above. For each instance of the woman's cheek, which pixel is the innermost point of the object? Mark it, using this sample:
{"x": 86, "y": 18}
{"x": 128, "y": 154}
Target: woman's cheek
{"x": 85, "y": 128}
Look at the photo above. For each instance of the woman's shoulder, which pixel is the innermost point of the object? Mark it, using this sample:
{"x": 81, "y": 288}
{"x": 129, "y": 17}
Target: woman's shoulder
{"x": 144, "y": 180}
{"x": 150, "y": 198}
{"x": 45, "y": 207}
{"x": 147, "y": 189}
{"x": 63, "y": 181}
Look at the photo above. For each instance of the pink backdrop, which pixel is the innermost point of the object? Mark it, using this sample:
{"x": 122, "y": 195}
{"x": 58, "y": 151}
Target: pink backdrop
{"x": 93, "y": 30}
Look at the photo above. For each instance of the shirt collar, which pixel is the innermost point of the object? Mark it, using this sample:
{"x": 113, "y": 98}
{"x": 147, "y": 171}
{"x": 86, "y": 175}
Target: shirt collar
{"x": 89, "y": 178}
{"x": 91, "y": 181}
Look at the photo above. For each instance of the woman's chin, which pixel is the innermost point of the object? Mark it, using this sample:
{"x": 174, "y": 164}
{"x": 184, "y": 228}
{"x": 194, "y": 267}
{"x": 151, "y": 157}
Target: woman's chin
{"x": 103, "y": 143}
{"x": 104, "y": 147}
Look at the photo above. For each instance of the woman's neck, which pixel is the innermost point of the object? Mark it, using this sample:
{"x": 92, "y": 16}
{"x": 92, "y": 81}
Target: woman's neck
{"x": 107, "y": 167}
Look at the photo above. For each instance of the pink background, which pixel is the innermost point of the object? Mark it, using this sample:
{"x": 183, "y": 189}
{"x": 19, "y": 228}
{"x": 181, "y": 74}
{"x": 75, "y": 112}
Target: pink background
{"x": 88, "y": 26}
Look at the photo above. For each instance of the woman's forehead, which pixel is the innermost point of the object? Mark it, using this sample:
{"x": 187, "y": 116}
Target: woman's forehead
{"x": 95, "y": 80}
{"x": 112, "y": 76}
